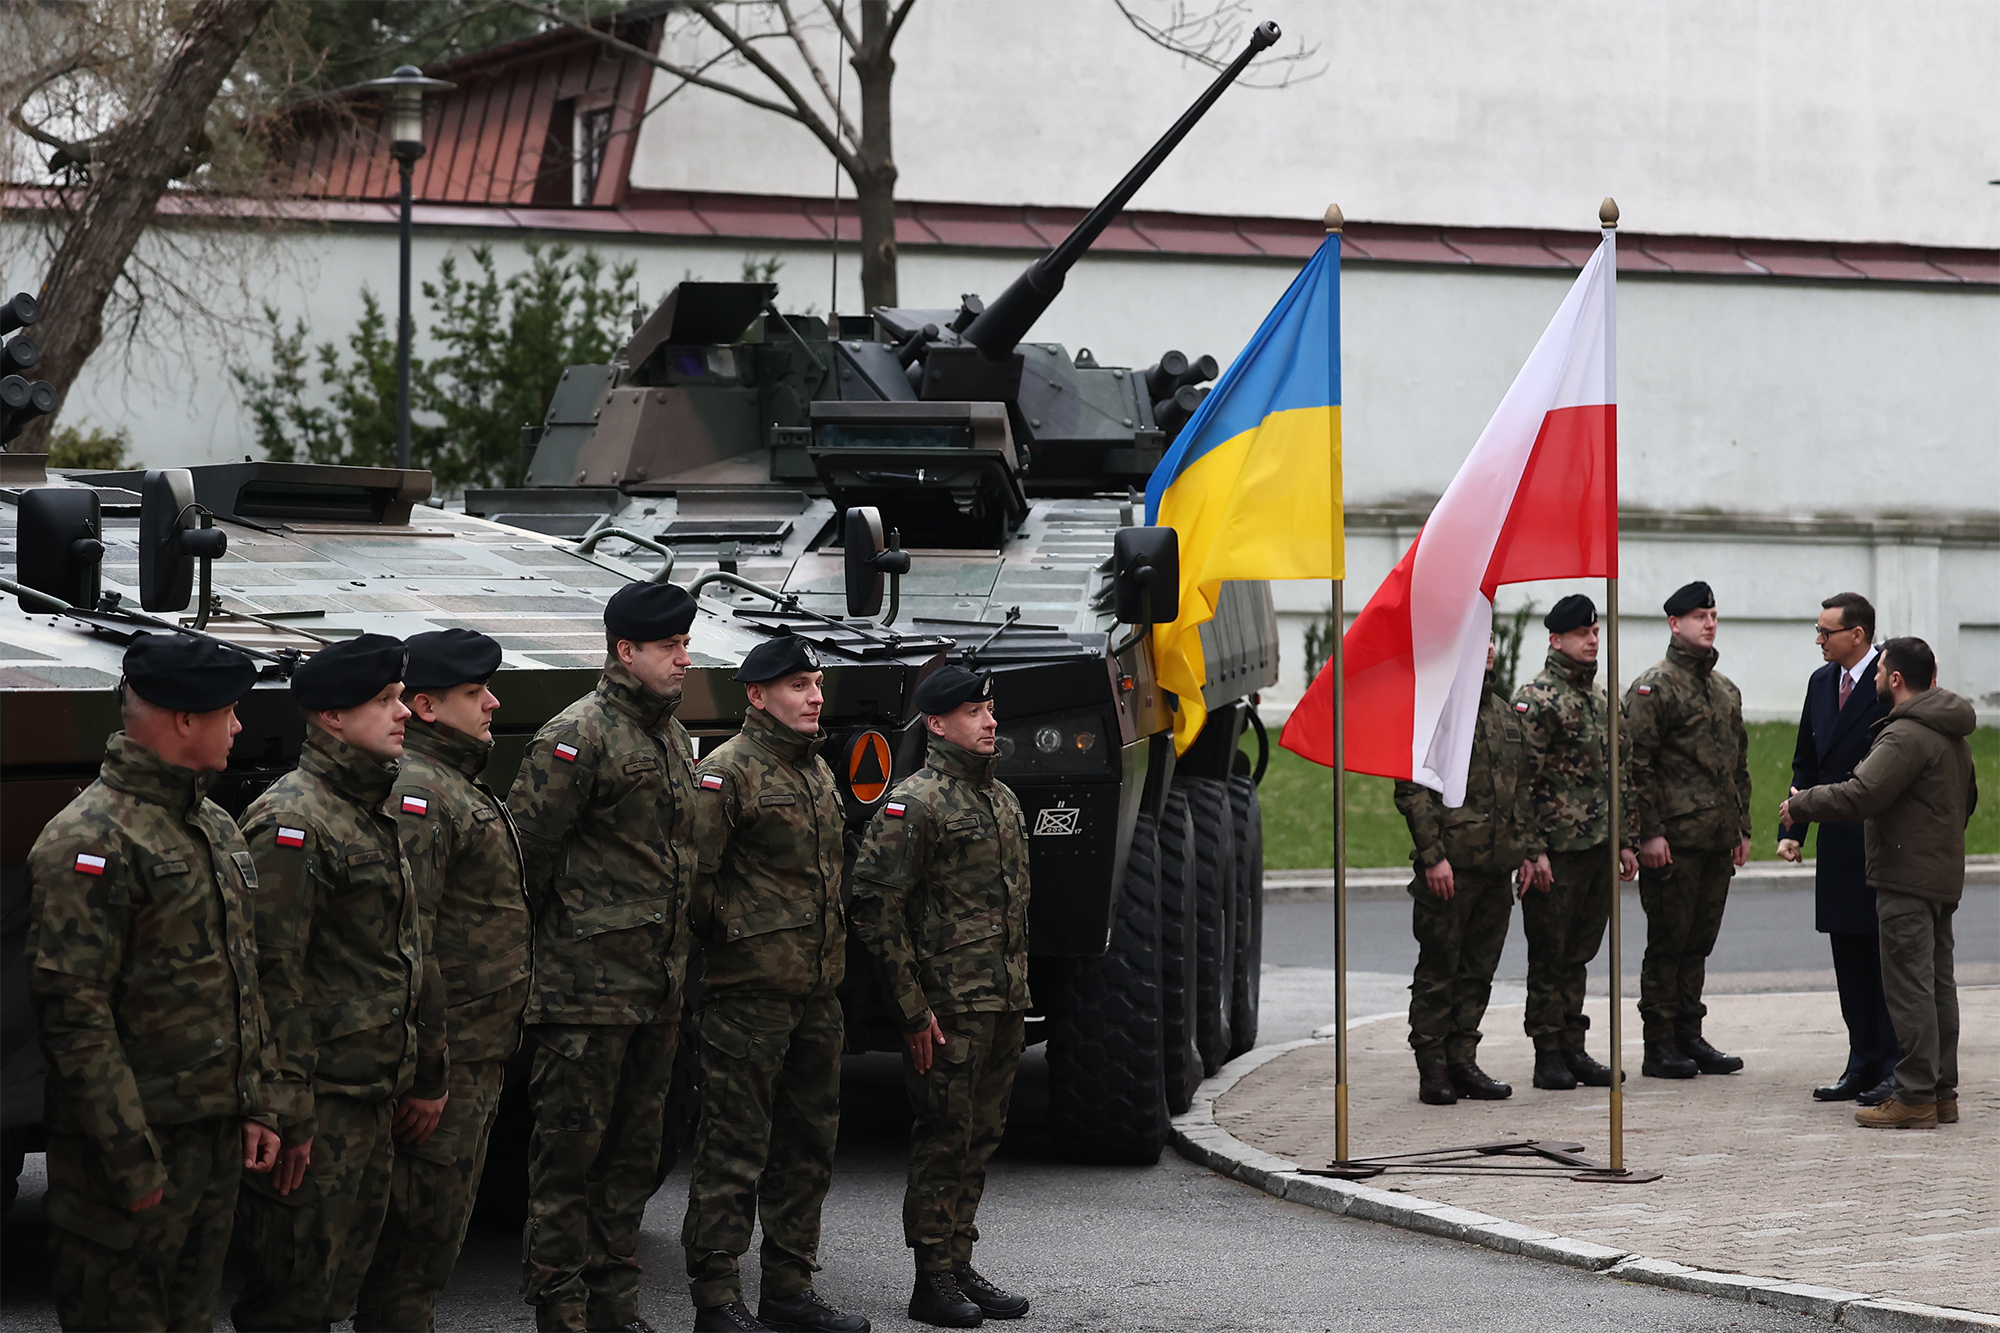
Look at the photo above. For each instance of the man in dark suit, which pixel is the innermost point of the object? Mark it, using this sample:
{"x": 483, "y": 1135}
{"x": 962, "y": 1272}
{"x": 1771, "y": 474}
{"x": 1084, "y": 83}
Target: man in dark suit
{"x": 1841, "y": 707}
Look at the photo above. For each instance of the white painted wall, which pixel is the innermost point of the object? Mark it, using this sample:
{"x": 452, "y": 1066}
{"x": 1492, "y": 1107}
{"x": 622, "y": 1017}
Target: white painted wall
{"x": 1825, "y": 119}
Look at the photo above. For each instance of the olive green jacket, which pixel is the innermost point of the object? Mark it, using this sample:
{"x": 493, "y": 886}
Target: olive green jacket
{"x": 604, "y": 803}
{"x": 460, "y": 843}
{"x": 1566, "y": 749}
{"x": 1689, "y": 754}
{"x": 340, "y": 939}
{"x": 941, "y": 890}
{"x": 142, "y": 963}
{"x": 768, "y": 912}
{"x": 1485, "y": 833}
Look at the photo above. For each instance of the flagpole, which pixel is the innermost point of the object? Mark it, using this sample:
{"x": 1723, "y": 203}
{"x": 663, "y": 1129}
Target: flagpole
{"x": 1607, "y": 214}
{"x": 1337, "y": 669}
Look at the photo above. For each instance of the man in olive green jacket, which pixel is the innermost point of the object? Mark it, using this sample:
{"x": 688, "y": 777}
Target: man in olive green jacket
{"x": 1916, "y": 789}
{"x": 1462, "y": 896}
{"x": 1689, "y": 761}
{"x": 769, "y": 918}
{"x": 342, "y": 967}
{"x": 142, "y": 962}
{"x": 461, "y": 847}
{"x": 941, "y": 900}
{"x": 604, "y": 803}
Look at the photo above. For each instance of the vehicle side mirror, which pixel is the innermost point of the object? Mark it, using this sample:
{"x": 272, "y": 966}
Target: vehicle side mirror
{"x": 171, "y": 540}
{"x": 869, "y": 559}
{"x": 61, "y": 547}
{"x": 1146, "y": 576}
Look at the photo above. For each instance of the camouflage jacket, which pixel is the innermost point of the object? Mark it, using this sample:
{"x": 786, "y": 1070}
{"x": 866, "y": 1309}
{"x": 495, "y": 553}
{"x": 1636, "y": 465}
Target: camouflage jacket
{"x": 340, "y": 943}
{"x": 604, "y": 804}
{"x": 143, "y": 963}
{"x": 1689, "y": 753}
{"x": 941, "y": 890}
{"x": 1484, "y": 833}
{"x": 768, "y": 911}
{"x": 1566, "y": 753}
{"x": 461, "y": 846}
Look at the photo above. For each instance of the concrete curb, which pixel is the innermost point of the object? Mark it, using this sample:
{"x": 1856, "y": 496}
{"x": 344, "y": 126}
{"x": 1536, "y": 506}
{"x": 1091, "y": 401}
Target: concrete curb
{"x": 1200, "y": 1139}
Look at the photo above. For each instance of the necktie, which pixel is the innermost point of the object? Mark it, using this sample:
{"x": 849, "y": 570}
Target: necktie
{"x": 1846, "y": 688}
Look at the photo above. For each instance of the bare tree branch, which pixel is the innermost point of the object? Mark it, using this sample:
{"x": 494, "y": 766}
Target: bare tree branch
{"x": 833, "y": 8}
{"x": 806, "y": 115}
{"x": 896, "y": 23}
{"x": 1212, "y": 35}
{"x": 819, "y": 75}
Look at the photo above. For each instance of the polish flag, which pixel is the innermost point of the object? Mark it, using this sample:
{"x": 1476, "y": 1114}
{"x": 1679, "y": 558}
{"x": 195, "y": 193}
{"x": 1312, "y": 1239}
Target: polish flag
{"x": 1536, "y": 499}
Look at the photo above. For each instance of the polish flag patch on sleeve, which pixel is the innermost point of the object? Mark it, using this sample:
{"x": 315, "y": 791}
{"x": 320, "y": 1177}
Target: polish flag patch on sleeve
{"x": 87, "y": 864}
{"x": 291, "y": 837}
{"x": 566, "y": 753}
{"x": 1645, "y": 689}
{"x": 894, "y": 809}
{"x": 416, "y": 805}
{"x": 711, "y": 782}
{"x": 1521, "y": 707}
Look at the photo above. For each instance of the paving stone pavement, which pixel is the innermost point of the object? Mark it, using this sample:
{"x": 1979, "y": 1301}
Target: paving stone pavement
{"x": 1759, "y": 1179}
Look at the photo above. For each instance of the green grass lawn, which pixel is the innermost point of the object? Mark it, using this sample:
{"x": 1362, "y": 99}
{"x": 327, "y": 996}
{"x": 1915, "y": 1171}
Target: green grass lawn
{"x": 1298, "y": 804}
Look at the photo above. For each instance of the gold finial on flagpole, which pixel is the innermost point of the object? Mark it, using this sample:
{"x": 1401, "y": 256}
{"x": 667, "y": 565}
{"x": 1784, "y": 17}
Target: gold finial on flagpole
{"x": 1607, "y": 212}
{"x": 1334, "y": 220}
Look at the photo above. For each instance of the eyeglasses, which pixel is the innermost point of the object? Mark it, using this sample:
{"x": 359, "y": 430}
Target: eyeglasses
{"x": 1822, "y": 632}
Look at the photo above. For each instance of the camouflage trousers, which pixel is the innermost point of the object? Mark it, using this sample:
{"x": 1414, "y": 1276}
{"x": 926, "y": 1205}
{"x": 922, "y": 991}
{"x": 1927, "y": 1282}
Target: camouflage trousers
{"x": 1458, "y": 946}
{"x": 306, "y": 1251}
{"x": 430, "y": 1205}
{"x": 960, "y": 1110}
{"x": 770, "y": 1112}
{"x": 1683, "y": 902}
{"x": 1565, "y": 929}
{"x": 599, "y": 1096}
{"x": 159, "y": 1269}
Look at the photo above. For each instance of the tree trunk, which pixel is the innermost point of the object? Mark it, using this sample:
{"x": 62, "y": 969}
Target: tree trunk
{"x": 127, "y": 185}
{"x": 875, "y": 183}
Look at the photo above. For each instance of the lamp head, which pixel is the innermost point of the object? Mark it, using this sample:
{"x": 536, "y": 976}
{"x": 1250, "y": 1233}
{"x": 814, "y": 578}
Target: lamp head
{"x": 404, "y": 94}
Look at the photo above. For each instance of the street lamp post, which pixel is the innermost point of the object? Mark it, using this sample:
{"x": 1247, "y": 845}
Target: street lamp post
{"x": 405, "y": 89}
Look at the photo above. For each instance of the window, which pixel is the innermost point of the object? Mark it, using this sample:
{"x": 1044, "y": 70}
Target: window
{"x": 593, "y": 132}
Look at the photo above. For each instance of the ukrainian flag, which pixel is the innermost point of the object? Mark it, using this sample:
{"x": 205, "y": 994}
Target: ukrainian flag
{"x": 1252, "y": 484}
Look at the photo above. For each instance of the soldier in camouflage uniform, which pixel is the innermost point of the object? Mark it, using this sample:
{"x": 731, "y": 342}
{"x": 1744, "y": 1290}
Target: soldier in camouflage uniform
{"x": 1690, "y": 767}
{"x": 1567, "y": 884}
{"x": 941, "y": 900}
{"x": 604, "y": 804}
{"x": 342, "y": 966}
{"x": 143, "y": 968}
{"x": 769, "y": 918}
{"x": 460, "y": 845}
{"x": 1462, "y": 895}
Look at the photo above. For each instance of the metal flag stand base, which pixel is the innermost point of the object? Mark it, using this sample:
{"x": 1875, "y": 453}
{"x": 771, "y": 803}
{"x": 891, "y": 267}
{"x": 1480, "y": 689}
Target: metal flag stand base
{"x": 1501, "y": 1157}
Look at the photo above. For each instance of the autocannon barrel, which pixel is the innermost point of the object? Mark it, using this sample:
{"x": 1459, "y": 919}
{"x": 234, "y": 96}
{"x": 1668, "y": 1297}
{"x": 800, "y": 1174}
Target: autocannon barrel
{"x": 1009, "y": 317}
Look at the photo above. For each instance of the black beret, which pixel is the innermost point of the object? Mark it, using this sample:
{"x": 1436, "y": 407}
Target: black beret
{"x": 350, "y": 673}
{"x": 1688, "y": 597}
{"x": 186, "y": 674}
{"x": 447, "y": 657}
{"x": 948, "y": 687}
{"x": 1572, "y": 612}
{"x": 644, "y": 612}
{"x": 774, "y": 659}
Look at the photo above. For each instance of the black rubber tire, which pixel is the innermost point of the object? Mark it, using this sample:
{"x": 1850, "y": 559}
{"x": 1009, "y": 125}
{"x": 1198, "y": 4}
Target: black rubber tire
{"x": 1249, "y": 987}
{"x": 1215, "y": 915}
{"x": 1179, "y": 964}
{"x": 1107, "y": 1077}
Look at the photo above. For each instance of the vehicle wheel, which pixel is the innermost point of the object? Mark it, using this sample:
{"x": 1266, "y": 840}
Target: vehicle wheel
{"x": 1249, "y": 831}
{"x": 1215, "y": 916}
{"x": 1179, "y": 966}
{"x": 1107, "y": 1089}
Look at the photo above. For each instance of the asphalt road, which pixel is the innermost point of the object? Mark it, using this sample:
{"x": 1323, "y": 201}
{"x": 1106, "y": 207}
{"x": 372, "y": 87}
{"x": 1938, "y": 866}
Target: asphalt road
{"x": 1168, "y": 1247}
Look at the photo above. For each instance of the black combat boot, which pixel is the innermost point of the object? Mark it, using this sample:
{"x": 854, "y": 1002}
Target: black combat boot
{"x": 991, "y": 1300}
{"x": 1552, "y": 1072}
{"x": 1664, "y": 1060}
{"x": 1474, "y": 1082}
{"x": 1706, "y": 1058}
{"x": 726, "y": 1318}
{"x": 807, "y": 1312}
{"x": 638, "y": 1325}
{"x": 1434, "y": 1086}
{"x": 1588, "y": 1071}
{"x": 937, "y": 1301}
